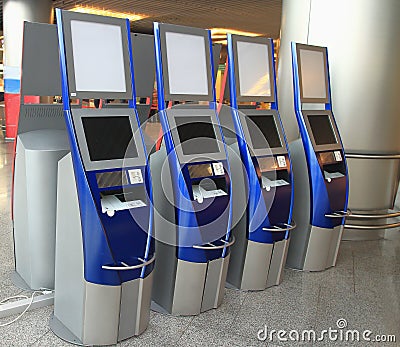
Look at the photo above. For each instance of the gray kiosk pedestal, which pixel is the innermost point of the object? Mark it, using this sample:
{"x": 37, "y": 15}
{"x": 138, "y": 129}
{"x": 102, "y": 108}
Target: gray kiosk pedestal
{"x": 35, "y": 198}
{"x": 41, "y": 142}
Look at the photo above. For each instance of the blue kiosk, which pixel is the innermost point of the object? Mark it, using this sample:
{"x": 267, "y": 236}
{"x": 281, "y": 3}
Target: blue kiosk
{"x": 319, "y": 165}
{"x": 104, "y": 245}
{"x": 262, "y": 239}
{"x": 191, "y": 177}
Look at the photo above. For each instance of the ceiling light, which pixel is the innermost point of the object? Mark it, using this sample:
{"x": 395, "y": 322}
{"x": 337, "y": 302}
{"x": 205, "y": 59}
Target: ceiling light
{"x": 219, "y": 33}
{"x": 103, "y": 12}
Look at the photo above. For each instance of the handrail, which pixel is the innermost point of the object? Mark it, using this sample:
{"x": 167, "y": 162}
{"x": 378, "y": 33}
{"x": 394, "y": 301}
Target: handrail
{"x": 372, "y": 227}
{"x": 277, "y": 228}
{"x": 338, "y": 214}
{"x": 372, "y": 156}
{"x": 214, "y": 247}
{"x": 375, "y": 216}
{"x": 125, "y": 268}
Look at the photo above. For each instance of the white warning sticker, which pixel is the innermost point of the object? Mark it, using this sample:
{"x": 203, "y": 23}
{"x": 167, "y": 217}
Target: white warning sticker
{"x": 135, "y": 176}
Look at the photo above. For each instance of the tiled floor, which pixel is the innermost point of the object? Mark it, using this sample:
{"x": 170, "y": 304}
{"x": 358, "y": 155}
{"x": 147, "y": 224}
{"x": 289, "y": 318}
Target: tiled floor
{"x": 363, "y": 289}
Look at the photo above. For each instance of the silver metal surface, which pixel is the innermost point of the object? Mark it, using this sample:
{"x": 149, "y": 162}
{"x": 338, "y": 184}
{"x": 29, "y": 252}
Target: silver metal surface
{"x": 278, "y": 261}
{"x": 372, "y": 227}
{"x": 165, "y": 234}
{"x": 301, "y": 209}
{"x": 40, "y": 60}
{"x": 372, "y": 156}
{"x": 374, "y": 216}
{"x": 256, "y": 265}
{"x": 318, "y": 249}
{"x": 222, "y": 280}
{"x": 372, "y": 184}
{"x": 101, "y": 314}
{"x": 34, "y": 205}
{"x": 189, "y": 286}
{"x": 144, "y": 301}
{"x": 336, "y": 237}
{"x": 130, "y": 307}
{"x": 134, "y": 307}
{"x": 212, "y": 285}
{"x": 69, "y": 265}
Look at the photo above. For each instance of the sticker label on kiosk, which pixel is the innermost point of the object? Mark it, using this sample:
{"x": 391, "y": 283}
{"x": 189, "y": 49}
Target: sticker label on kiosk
{"x": 218, "y": 169}
{"x": 135, "y": 176}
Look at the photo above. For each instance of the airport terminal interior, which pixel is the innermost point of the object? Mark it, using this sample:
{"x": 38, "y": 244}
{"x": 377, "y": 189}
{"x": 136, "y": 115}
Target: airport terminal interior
{"x": 195, "y": 173}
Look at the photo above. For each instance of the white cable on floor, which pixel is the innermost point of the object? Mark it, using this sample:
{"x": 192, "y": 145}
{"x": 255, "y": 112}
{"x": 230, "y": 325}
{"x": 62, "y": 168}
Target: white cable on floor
{"x": 2, "y": 302}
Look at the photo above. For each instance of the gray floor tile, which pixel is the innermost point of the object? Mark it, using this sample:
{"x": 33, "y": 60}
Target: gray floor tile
{"x": 293, "y": 305}
{"x": 198, "y": 336}
{"x": 362, "y": 310}
{"x": 30, "y": 328}
{"x": 376, "y": 249}
{"x": 50, "y": 339}
{"x": 222, "y": 317}
{"x": 163, "y": 330}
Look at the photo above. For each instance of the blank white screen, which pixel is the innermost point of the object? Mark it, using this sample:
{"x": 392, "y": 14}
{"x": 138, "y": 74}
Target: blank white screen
{"x": 313, "y": 78}
{"x": 187, "y": 64}
{"x": 253, "y": 63}
{"x": 98, "y": 57}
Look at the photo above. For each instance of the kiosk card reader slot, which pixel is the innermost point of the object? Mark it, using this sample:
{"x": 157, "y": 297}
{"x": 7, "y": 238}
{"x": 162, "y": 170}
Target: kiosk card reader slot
{"x": 104, "y": 249}
{"x": 321, "y": 182}
{"x": 191, "y": 178}
{"x": 262, "y": 232}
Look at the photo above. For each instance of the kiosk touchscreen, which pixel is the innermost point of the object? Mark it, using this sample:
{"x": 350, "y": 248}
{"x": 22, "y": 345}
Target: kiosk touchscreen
{"x": 321, "y": 182}
{"x": 104, "y": 247}
{"x": 190, "y": 175}
{"x": 262, "y": 236}
{"x": 41, "y": 142}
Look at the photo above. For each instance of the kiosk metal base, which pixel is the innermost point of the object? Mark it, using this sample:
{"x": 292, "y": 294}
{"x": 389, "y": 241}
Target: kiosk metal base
{"x": 322, "y": 249}
{"x": 262, "y": 268}
{"x": 198, "y": 287}
{"x": 19, "y": 282}
{"x": 110, "y": 314}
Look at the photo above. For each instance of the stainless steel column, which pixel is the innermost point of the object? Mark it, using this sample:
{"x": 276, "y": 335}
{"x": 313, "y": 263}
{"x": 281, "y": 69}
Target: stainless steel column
{"x": 364, "y": 54}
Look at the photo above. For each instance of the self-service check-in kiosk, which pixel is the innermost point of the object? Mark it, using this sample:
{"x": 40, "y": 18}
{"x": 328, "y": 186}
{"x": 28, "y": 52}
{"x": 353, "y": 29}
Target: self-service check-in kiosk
{"x": 41, "y": 142}
{"x": 259, "y": 254}
{"x": 104, "y": 248}
{"x": 319, "y": 165}
{"x": 190, "y": 175}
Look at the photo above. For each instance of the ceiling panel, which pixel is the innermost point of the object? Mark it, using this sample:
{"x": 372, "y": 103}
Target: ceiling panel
{"x": 259, "y": 16}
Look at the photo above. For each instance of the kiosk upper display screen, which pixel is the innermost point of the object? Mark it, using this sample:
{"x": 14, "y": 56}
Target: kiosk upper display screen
{"x": 269, "y": 133}
{"x": 109, "y": 138}
{"x": 322, "y": 131}
{"x": 100, "y": 43}
{"x": 254, "y": 69}
{"x": 186, "y": 56}
{"x": 197, "y": 135}
{"x": 313, "y": 74}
